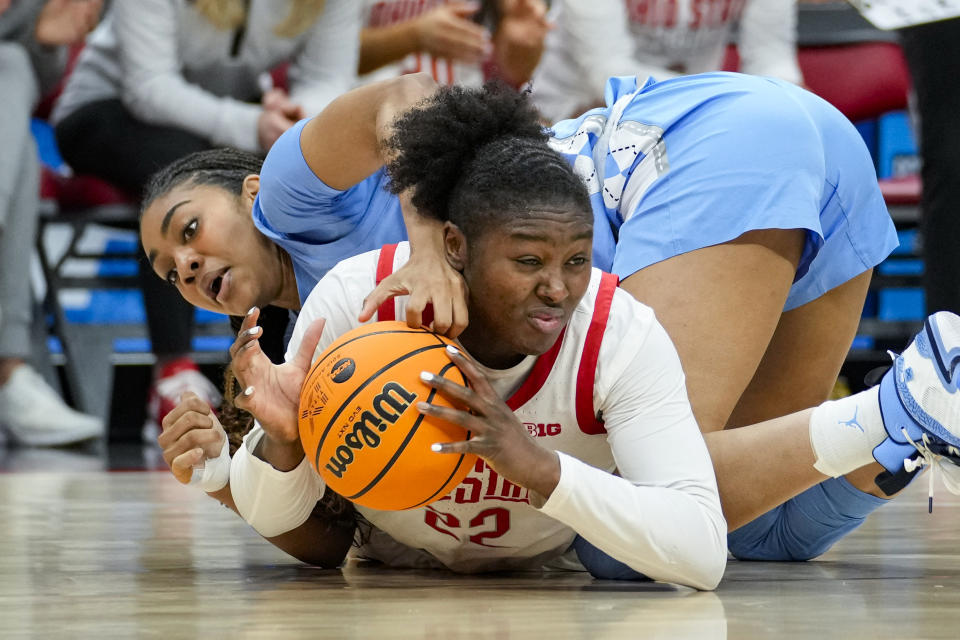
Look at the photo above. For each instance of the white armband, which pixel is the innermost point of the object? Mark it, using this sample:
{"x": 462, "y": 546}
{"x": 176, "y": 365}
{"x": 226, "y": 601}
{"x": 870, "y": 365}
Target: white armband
{"x": 272, "y": 501}
{"x": 215, "y": 472}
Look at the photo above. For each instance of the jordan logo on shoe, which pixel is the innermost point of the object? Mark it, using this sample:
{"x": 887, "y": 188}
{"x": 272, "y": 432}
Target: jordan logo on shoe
{"x": 852, "y": 422}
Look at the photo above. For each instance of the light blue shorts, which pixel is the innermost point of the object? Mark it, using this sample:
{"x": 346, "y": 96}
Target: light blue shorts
{"x": 753, "y": 153}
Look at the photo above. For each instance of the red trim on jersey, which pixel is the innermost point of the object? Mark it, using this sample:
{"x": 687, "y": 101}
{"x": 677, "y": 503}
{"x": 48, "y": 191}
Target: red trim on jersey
{"x": 538, "y": 375}
{"x": 388, "y": 310}
{"x": 586, "y": 375}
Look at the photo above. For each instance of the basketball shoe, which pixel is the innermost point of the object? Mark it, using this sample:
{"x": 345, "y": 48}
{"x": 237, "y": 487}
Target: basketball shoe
{"x": 174, "y": 378}
{"x": 920, "y": 405}
{"x": 35, "y": 415}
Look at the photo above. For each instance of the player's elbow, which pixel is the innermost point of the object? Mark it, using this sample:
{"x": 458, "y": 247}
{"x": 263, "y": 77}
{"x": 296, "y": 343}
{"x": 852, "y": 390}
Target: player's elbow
{"x": 707, "y": 557}
{"x": 413, "y": 87}
{"x": 709, "y": 574}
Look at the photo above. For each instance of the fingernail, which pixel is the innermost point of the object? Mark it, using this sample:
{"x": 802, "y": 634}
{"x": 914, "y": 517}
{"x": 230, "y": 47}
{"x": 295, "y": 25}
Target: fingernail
{"x": 248, "y": 391}
{"x": 423, "y": 407}
{"x": 436, "y": 446}
{"x": 198, "y": 451}
{"x": 452, "y": 350}
{"x": 426, "y": 376}
{"x": 252, "y": 309}
{"x": 253, "y": 331}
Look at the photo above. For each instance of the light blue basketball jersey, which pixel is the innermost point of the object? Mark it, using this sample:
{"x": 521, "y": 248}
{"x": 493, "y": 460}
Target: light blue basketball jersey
{"x": 317, "y": 225}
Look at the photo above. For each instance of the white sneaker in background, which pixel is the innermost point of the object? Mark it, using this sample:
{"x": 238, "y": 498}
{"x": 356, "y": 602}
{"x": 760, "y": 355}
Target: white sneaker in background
{"x": 33, "y": 414}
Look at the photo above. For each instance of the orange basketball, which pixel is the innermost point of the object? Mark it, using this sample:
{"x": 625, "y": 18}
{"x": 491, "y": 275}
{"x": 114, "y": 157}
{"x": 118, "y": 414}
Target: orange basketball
{"x": 359, "y": 423}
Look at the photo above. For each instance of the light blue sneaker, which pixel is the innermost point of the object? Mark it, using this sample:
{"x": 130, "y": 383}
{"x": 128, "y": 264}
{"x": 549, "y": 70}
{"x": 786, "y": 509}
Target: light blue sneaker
{"x": 920, "y": 404}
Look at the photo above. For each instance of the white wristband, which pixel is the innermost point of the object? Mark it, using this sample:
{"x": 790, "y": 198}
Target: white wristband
{"x": 272, "y": 501}
{"x": 215, "y": 472}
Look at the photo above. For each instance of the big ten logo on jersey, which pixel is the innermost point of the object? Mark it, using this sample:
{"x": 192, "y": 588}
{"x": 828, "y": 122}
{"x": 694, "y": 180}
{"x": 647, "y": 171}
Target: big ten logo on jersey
{"x": 542, "y": 430}
{"x": 693, "y": 14}
{"x": 483, "y": 526}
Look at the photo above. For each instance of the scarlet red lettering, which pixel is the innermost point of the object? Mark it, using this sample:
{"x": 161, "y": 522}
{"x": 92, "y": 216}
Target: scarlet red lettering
{"x": 540, "y": 429}
{"x": 439, "y": 521}
{"x": 501, "y": 524}
{"x": 461, "y": 495}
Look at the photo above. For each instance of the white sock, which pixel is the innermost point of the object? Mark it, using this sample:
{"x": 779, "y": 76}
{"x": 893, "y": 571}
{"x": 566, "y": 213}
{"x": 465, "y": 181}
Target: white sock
{"x": 844, "y": 432}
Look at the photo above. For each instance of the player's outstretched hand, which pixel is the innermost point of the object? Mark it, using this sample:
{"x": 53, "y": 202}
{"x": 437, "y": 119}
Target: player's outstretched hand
{"x": 271, "y": 392}
{"x": 191, "y": 434}
{"x": 496, "y": 434}
{"x": 428, "y": 279}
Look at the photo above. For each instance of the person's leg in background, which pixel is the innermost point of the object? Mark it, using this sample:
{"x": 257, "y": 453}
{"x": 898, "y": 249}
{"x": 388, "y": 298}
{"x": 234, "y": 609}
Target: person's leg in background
{"x": 30, "y": 410}
{"x": 933, "y": 54}
{"x": 104, "y": 140}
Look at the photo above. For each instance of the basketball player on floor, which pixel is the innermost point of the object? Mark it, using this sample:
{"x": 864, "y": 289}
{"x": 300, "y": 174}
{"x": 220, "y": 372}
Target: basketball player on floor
{"x": 534, "y": 298}
{"x": 755, "y": 464}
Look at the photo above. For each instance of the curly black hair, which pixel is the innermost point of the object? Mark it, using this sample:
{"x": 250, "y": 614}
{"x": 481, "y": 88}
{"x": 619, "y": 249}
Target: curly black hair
{"x": 477, "y": 156}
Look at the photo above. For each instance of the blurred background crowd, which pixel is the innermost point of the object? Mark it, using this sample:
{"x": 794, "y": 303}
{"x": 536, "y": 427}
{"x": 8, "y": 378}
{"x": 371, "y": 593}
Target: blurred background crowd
{"x": 96, "y": 96}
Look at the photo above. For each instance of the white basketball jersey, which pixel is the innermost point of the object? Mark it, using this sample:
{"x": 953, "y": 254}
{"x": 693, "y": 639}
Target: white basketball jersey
{"x": 487, "y": 522}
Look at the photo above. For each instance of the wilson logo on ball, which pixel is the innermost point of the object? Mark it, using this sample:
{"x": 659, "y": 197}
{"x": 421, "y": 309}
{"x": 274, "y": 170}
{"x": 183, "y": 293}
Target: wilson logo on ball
{"x": 389, "y": 405}
{"x": 359, "y": 424}
{"x": 343, "y": 369}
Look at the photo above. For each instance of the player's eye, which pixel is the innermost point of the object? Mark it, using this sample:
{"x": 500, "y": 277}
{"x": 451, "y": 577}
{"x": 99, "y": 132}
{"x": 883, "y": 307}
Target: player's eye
{"x": 172, "y": 277}
{"x": 190, "y": 229}
{"x": 529, "y": 261}
{"x": 578, "y": 261}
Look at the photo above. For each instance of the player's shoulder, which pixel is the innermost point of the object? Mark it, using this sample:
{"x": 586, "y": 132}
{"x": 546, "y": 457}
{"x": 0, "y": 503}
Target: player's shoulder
{"x": 629, "y": 319}
{"x": 366, "y": 265}
{"x": 626, "y": 314}
{"x": 351, "y": 279}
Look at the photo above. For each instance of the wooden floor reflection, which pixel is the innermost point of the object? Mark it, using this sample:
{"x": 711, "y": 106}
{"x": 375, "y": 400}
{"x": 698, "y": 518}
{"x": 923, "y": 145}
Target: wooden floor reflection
{"x": 121, "y": 555}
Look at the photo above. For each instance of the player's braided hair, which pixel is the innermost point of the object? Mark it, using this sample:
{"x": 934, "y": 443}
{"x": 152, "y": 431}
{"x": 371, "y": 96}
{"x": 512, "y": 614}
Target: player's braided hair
{"x": 474, "y": 156}
{"x": 224, "y": 168}
{"x": 334, "y": 509}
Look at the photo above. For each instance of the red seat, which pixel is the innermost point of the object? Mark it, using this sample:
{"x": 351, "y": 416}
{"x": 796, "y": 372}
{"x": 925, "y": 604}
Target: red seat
{"x": 77, "y": 193}
{"x": 902, "y": 191}
{"x": 863, "y": 80}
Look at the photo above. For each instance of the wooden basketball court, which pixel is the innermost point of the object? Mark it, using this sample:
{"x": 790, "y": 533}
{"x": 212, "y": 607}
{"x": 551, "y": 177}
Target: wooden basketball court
{"x": 91, "y": 553}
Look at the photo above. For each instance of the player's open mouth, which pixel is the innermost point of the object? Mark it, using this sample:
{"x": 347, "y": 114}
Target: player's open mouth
{"x": 218, "y": 284}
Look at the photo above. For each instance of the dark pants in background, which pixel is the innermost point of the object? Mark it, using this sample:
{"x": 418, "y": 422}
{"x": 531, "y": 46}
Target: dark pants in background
{"x": 104, "y": 140}
{"x": 933, "y": 54}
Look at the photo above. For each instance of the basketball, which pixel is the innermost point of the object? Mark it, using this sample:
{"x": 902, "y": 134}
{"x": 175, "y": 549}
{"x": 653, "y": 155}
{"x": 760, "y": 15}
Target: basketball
{"x": 359, "y": 423}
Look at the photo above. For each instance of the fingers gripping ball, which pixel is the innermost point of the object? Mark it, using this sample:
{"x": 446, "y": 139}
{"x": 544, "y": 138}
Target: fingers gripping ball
{"x": 359, "y": 423}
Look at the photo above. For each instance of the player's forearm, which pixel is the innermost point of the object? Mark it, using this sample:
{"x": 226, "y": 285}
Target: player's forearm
{"x": 398, "y": 96}
{"x": 316, "y": 542}
{"x": 342, "y": 145}
{"x": 670, "y": 534}
{"x": 425, "y": 234}
{"x": 282, "y": 456}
